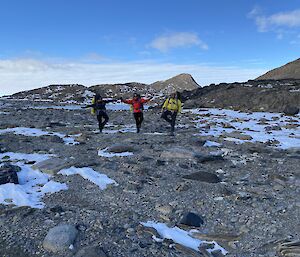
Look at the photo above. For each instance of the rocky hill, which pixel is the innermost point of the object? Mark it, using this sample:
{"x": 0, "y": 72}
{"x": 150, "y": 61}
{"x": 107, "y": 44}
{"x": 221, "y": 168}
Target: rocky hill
{"x": 254, "y": 95}
{"x": 80, "y": 94}
{"x": 179, "y": 83}
{"x": 290, "y": 70}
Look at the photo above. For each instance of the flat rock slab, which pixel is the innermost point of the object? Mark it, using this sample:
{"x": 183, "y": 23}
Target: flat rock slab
{"x": 52, "y": 166}
{"x": 203, "y": 176}
{"x": 178, "y": 153}
{"x": 120, "y": 148}
{"x": 60, "y": 238}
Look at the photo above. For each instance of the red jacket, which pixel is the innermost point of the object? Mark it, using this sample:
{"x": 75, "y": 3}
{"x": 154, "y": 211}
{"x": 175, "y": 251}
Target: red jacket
{"x": 137, "y": 104}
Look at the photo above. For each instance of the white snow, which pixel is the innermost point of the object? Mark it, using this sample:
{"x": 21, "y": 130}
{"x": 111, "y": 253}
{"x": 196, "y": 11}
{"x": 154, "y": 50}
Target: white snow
{"x": 105, "y": 153}
{"x": 294, "y": 90}
{"x": 34, "y": 132}
{"x": 211, "y": 144}
{"x": 95, "y": 177}
{"x": 248, "y": 124}
{"x": 33, "y": 184}
{"x": 180, "y": 236}
{"x": 26, "y": 157}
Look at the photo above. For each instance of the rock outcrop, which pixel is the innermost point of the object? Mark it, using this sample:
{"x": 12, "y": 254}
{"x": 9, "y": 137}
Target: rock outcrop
{"x": 254, "y": 95}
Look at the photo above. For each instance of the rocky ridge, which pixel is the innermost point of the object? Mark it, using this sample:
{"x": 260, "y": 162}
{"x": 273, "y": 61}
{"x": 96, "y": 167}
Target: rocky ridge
{"x": 290, "y": 70}
{"x": 80, "y": 94}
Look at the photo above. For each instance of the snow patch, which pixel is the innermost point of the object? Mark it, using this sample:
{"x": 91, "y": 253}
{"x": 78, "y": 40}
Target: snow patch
{"x": 211, "y": 144}
{"x": 36, "y": 157}
{"x": 93, "y": 176}
{"x": 34, "y": 132}
{"x": 105, "y": 153}
{"x": 181, "y": 237}
{"x": 33, "y": 183}
{"x": 211, "y": 123}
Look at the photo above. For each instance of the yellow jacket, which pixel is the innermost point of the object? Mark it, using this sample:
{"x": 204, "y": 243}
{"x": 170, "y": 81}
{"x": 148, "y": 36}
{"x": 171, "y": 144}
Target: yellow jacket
{"x": 172, "y": 104}
{"x": 93, "y": 111}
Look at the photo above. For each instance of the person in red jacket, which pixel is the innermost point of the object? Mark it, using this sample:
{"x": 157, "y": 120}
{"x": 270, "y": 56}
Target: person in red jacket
{"x": 137, "y": 108}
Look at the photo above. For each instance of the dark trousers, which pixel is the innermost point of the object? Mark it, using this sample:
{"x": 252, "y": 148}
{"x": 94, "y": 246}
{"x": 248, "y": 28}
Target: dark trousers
{"x": 170, "y": 117}
{"x": 102, "y": 115}
{"x": 139, "y": 117}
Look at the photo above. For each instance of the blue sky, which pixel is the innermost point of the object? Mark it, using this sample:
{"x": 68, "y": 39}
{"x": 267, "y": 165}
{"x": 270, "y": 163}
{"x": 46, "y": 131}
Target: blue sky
{"x": 96, "y": 41}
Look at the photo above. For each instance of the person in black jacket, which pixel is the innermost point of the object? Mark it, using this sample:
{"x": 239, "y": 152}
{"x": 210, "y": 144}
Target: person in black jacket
{"x": 99, "y": 108}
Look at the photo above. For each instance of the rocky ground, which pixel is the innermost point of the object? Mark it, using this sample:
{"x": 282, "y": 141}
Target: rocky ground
{"x": 246, "y": 194}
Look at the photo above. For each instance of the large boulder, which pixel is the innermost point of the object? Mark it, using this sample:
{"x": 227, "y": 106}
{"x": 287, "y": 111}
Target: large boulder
{"x": 60, "y": 238}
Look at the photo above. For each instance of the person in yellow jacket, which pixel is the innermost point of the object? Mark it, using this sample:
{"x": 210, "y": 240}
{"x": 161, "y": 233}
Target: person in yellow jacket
{"x": 171, "y": 107}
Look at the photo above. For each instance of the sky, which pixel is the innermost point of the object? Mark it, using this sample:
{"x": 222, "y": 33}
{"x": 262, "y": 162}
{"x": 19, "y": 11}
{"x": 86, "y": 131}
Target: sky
{"x": 116, "y": 41}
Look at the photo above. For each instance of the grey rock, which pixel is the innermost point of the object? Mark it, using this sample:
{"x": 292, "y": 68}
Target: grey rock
{"x": 8, "y": 174}
{"x": 203, "y": 176}
{"x": 291, "y": 110}
{"x": 208, "y": 157}
{"x": 60, "y": 238}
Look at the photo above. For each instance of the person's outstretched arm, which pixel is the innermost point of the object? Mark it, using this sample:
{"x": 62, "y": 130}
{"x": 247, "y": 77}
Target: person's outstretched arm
{"x": 126, "y": 101}
{"x": 88, "y": 106}
{"x": 145, "y": 100}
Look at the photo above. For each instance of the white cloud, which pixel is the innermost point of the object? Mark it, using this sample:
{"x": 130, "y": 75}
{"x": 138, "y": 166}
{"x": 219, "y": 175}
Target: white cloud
{"x": 24, "y": 74}
{"x": 176, "y": 40}
{"x": 275, "y": 21}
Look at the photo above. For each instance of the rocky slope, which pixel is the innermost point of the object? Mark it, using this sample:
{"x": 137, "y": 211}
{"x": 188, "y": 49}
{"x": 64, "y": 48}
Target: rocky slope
{"x": 255, "y": 95}
{"x": 290, "y": 70}
{"x": 237, "y": 172}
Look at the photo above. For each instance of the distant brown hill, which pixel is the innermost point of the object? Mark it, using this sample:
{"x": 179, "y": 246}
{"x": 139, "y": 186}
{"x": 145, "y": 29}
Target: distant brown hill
{"x": 290, "y": 70}
{"x": 179, "y": 83}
